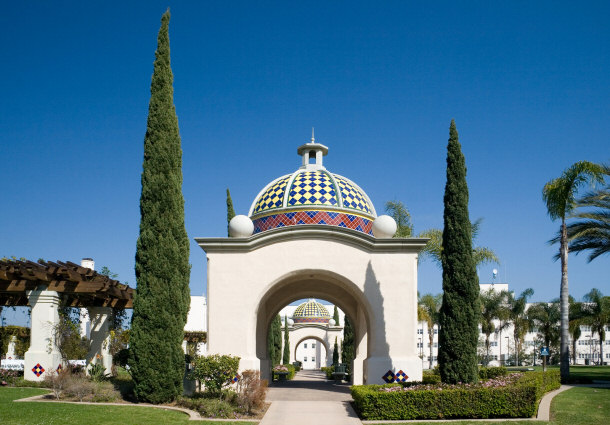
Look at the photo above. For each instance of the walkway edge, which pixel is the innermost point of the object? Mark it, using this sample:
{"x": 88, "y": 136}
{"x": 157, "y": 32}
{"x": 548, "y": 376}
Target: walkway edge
{"x": 193, "y": 416}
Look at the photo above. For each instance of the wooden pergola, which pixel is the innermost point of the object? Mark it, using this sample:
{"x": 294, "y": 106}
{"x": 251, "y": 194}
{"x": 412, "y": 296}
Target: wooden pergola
{"x": 78, "y": 286}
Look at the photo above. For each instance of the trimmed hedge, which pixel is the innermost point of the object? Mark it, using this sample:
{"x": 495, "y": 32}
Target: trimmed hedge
{"x": 517, "y": 400}
{"x": 492, "y": 372}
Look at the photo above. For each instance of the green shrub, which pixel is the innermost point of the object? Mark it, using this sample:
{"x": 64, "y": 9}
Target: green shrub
{"x": 431, "y": 379}
{"x": 291, "y": 371}
{"x": 492, "y": 372}
{"x": 105, "y": 392}
{"x": 329, "y": 371}
{"x": 215, "y": 371}
{"x": 209, "y": 407}
{"x": 513, "y": 396}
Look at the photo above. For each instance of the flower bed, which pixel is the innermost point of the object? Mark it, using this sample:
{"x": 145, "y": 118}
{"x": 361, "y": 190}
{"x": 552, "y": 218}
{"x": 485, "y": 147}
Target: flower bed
{"x": 512, "y": 396}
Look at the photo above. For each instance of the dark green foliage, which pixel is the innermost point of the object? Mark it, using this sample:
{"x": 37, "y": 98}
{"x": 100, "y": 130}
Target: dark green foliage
{"x": 286, "y": 353}
{"x": 492, "y": 372}
{"x": 517, "y": 400}
{"x": 230, "y": 210}
{"x": 336, "y": 352}
{"x": 67, "y": 337}
{"x": 274, "y": 341}
{"x": 336, "y": 316}
{"x": 459, "y": 315}
{"x": 347, "y": 345}
{"x": 162, "y": 270}
{"x": 215, "y": 372}
{"x": 22, "y": 336}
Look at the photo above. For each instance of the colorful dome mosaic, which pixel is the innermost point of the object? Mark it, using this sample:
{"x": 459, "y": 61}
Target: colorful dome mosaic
{"x": 311, "y": 312}
{"x": 312, "y": 195}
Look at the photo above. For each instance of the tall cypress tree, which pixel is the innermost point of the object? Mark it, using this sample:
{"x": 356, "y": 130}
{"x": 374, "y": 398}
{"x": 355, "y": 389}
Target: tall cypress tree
{"x": 336, "y": 352}
{"x": 230, "y": 210}
{"x": 162, "y": 269}
{"x": 336, "y": 316}
{"x": 274, "y": 341}
{"x": 460, "y": 310}
{"x": 286, "y": 355}
{"x": 347, "y": 345}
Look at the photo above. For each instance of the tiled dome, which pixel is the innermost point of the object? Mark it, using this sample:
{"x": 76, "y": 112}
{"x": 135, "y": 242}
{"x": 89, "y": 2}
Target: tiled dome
{"x": 311, "y": 312}
{"x": 312, "y": 195}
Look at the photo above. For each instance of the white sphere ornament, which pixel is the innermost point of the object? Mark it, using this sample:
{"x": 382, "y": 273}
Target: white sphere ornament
{"x": 332, "y": 322}
{"x": 384, "y": 226}
{"x": 241, "y": 226}
{"x": 290, "y": 322}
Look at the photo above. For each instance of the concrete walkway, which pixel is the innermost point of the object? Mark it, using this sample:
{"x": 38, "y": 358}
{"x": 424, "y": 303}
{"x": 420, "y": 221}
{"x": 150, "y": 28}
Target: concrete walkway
{"x": 310, "y": 399}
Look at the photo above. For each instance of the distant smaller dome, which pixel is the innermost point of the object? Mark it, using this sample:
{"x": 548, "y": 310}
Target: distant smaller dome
{"x": 311, "y": 312}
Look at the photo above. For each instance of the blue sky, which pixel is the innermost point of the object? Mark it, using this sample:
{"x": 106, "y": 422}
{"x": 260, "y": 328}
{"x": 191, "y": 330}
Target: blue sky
{"x": 527, "y": 83}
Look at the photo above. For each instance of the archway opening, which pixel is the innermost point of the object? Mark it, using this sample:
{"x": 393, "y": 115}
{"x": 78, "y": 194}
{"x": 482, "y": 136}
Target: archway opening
{"x": 323, "y": 285}
{"x": 311, "y": 353}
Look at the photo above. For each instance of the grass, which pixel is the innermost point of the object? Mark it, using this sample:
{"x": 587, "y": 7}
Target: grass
{"x": 583, "y": 374}
{"x": 577, "y": 406}
{"x": 61, "y": 413}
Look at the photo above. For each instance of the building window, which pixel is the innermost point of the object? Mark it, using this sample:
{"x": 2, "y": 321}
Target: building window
{"x": 585, "y": 328}
{"x": 420, "y": 345}
{"x": 435, "y": 331}
{"x": 493, "y": 344}
{"x": 305, "y": 358}
{"x": 305, "y": 345}
{"x": 313, "y": 345}
{"x": 313, "y": 359}
{"x": 420, "y": 331}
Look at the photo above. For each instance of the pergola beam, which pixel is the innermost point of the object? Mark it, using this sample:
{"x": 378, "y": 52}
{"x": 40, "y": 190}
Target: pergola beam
{"x": 78, "y": 286}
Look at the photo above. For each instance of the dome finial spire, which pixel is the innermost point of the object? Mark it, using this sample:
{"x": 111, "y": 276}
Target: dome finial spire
{"x": 313, "y": 139}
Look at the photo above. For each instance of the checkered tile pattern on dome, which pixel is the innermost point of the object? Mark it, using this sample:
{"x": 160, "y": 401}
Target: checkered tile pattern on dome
{"x": 273, "y": 196}
{"x": 312, "y": 188}
{"x": 311, "y": 309}
{"x": 352, "y": 196}
{"x": 296, "y": 218}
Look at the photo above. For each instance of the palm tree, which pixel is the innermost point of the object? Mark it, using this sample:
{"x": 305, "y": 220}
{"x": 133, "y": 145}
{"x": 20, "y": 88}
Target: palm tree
{"x": 518, "y": 317}
{"x": 546, "y": 316}
{"x": 493, "y": 307}
{"x": 430, "y": 306}
{"x": 399, "y": 212}
{"x": 597, "y": 314}
{"x": 592, "y": 230}
{"x": 433, "y": 249}
{"x": 559, "y": 195}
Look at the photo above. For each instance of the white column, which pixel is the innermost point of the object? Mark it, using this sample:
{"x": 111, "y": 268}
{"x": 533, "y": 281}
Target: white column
{"x": 100, "y": 336}
{"x": 43, "y": 351}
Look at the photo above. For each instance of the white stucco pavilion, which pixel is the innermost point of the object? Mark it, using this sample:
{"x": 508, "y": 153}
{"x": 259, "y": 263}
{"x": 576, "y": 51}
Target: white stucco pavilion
{"x": 313, "y": 233}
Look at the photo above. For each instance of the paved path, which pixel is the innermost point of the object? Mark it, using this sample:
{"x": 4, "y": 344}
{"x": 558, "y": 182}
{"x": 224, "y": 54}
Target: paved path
{"x": 310, "y": 399}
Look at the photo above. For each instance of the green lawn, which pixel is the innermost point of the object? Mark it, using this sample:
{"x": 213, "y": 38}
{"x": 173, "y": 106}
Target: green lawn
{"x": 577, "y": 406}
{"x": 61, "y": 413}
{"x": 583, "y": 373}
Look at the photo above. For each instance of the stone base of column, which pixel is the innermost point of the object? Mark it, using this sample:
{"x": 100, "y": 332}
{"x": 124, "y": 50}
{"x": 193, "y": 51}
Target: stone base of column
{"x": 39, "y": 361}
{"x": 377, "y": 367}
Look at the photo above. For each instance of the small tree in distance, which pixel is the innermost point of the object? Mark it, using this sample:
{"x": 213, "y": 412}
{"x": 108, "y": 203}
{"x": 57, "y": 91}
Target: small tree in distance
{"x": 286, "y": 354}
{"x": 230, "y": 210}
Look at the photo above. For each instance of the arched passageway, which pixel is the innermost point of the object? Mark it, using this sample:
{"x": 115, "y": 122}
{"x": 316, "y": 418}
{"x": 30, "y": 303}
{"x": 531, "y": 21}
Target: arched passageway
{"x": 374, "y": 281}
{"x": 312, "y": 352}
